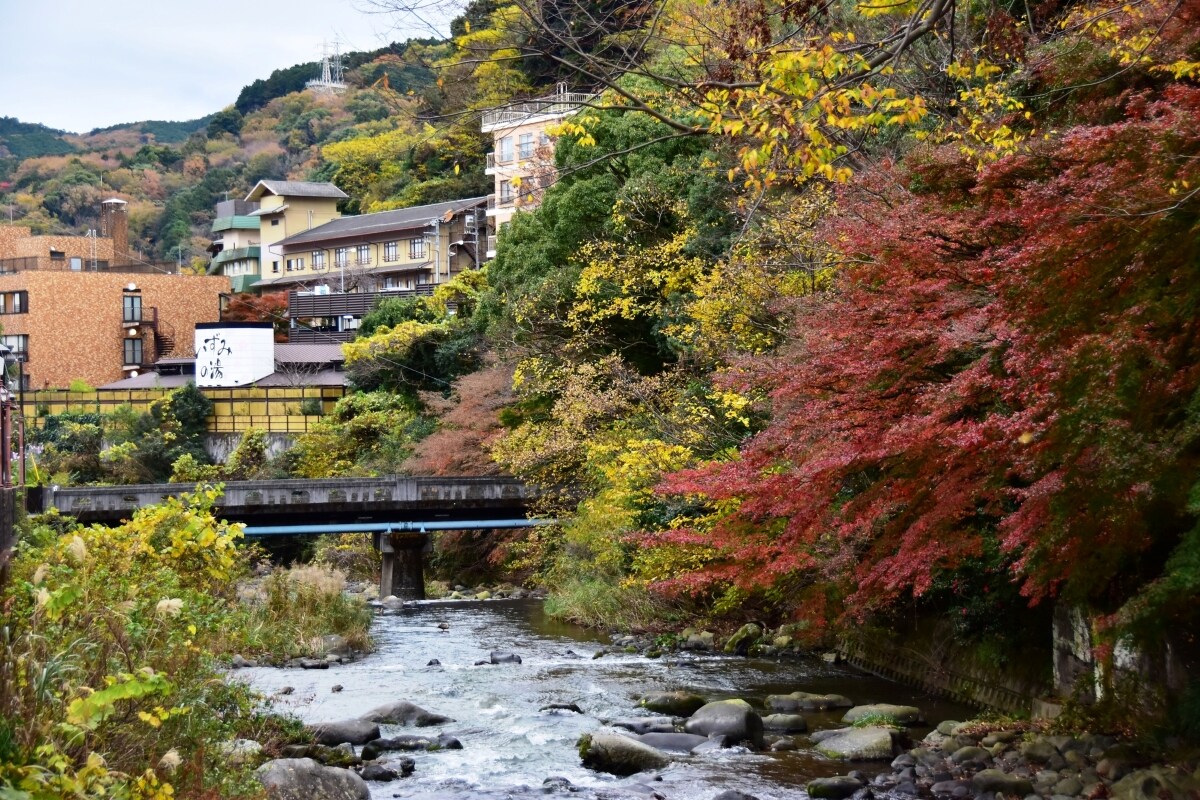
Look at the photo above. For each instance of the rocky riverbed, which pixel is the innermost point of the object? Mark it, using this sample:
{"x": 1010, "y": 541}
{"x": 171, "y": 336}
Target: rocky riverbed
{"x": 490, "y": 700}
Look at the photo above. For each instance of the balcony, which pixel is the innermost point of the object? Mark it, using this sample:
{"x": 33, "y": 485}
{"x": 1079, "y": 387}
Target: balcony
{"x": 236, "y": 254}
{"x": 489, "y": 164}
{"x": 491, "y": 246}
{"x": 547, "y": 108}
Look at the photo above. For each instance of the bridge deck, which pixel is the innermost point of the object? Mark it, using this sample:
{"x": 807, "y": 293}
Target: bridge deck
{"x": 336, "y": 499}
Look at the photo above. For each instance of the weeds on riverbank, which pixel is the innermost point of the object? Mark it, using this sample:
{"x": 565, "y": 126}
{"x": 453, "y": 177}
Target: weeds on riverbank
{"x": 600, "y": 604}
{"x": 110, "y": 683}
{"x": 298, "y": 607}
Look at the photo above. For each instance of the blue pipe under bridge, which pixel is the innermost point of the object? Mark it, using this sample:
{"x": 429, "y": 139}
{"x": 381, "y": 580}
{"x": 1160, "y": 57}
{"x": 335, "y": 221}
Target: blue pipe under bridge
{"x": 392, "y": 527}
{"x": 402, "y": 545}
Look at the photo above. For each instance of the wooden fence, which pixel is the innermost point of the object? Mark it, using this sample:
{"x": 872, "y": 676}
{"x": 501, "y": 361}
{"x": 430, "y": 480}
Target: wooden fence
{"x": 276, "y": 409}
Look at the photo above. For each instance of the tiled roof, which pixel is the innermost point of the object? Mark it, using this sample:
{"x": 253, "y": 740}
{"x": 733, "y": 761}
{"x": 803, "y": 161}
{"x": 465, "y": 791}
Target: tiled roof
{"x": 296, "y": 189}
{"x": 308, "y": 353}
{"x": 382, "y": 222}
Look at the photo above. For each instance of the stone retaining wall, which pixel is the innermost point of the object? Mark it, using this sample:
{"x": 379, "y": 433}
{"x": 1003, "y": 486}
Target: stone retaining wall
{"x": 926, "y": 661}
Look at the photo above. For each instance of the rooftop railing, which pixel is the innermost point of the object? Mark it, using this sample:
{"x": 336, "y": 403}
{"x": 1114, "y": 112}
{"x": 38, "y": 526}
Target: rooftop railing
{"x": 555, "y": 105}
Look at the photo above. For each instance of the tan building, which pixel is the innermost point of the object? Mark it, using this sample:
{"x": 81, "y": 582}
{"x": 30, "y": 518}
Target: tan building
{"x": 101, "y": 326}
{"x": 522, "y": 161}
{"x": 338, "y": 271}
{"x": 286, "y": 208}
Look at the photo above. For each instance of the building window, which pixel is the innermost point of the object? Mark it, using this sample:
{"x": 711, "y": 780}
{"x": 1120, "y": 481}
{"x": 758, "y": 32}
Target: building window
{"x": 506, "y": 153}
{"x": 525, "y": 145}
{"x": 133, "y": 352}
{"x": 341, "y": 256}
{"x": 295, "y": 264}
{"x": 318, "y": 259}
{"x": 274, "y": 222}
{"x": 131, "y": 308}
{"x": 76, "y": 263}
{"x": 416, "y": 248}
{"x": 57, "y": 255}
{"x": 18, "y": 344}
{"x": 14, "y": 303}
{"x": 390, "y": 251}
{"x": 275, "y": 267}
{"x": 506, "y": 195}
{"x": 364, "y": 255}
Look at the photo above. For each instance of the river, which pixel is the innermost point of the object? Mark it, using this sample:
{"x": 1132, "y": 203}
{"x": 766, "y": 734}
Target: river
{"x": 510, "y": 747}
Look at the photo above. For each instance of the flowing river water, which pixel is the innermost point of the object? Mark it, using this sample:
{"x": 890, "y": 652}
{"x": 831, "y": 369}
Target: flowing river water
{"x": 510, "y": 747}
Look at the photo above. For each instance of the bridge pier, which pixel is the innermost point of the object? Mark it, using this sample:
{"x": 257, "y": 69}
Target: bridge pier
{"x": 403, "y": 573}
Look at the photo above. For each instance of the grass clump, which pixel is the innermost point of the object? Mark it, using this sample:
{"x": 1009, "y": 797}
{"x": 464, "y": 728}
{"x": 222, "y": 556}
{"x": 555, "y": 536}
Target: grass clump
{"x": 298, "y": 607}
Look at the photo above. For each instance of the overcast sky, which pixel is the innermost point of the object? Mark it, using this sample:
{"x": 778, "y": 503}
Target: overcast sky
{"x": 83, "y": 64}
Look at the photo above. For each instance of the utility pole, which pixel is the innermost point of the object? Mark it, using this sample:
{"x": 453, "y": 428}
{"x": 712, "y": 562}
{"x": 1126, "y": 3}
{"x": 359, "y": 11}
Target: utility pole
{"x": 179, "y": 266}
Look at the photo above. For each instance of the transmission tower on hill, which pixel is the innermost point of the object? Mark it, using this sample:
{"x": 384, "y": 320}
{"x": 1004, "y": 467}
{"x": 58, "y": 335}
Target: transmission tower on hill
{"x": 331, "y": 71}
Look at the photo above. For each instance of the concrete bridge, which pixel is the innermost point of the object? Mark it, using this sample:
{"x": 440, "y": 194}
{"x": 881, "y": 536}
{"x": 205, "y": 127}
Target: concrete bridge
{"x": 399, "y": 512}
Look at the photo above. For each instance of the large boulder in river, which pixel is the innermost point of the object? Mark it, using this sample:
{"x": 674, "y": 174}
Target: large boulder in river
{"x": 678, "y": 703}
{"x": 859, "y": 744}
{"x": 884, "y": 712}
{"x": 734, "y": 719}
{"x": 305, "y": 779}
{"x": 745, "y": 637}
{"x": 403, "y": 712}
{"x": 619, "y": 755}
{"x": 503, "y": 657}
{"x": 806, "y": 701}
{"x": 354, "y": 731}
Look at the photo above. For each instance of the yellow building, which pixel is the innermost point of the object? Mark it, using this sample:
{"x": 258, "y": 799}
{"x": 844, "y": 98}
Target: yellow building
{"x": 288, "y": 208}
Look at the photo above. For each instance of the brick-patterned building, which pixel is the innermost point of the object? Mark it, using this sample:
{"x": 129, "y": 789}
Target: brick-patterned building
{"x": 20, "y": 249}
{"x": 101, "y": 326}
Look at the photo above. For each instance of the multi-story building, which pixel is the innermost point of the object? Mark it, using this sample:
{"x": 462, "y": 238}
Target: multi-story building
{"x": 99, "y": 326}
{"x": 286, "y": 208}
{"x": 342, "y": 268}
{"x": 236, "y": 245}
{"x": 522, "y": 161}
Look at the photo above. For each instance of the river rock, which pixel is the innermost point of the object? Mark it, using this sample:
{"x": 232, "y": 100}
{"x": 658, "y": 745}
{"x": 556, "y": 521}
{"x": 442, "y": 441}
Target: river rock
{"x": 378, "y": 773}
{"x": 782, "y": 744}
{"x": 403, "y": 712}
{"x": 673, "y": 742}
{"x": 734, "y": 794}
{"x": 859, "y": 744}
{"x": 970, "y": 755}
{"x": 305, "y": 779}
{"x": 946, "y": 727}
{"x": 714, "y": 744}
{"x": 834, "y": 788}
{"x": 993, "y": 780}
{"x": 1040, "y": 749}
{"x": 619, "y": 755}
{"x": 1157, "y": 783}
{"x": 678, "y": 703}
{"x": 313, "y": 663}
{"x": 806, "y": 701}
{"x": 903, "y": 715}
{"x": 241, "y": 751}
{"x": 743, "y": 639}
{"x": 502, "y": 657}
{"x": 788, "y": 723}
{"x": 699, "y": 641}
{"x": 372, "y": 750}
{"x": 572, "y": 707}
{"x": 732, "y": 718}
{"x": 323, "y": 754}
{"x": 239, "y": 662}
{"x": 354, "y": 731}
{"x": 828, "y": 733}
{"x": 640, "y": 725}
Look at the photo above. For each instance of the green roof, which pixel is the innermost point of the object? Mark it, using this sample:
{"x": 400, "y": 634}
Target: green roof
{"x": 236, "y": 254}
{"x": 235, "y": 223}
